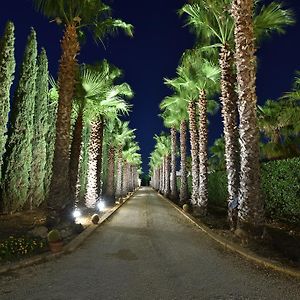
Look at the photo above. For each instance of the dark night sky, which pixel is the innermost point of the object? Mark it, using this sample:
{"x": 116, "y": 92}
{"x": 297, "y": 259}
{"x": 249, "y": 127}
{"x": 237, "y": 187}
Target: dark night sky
{"x": 154, "y": 53}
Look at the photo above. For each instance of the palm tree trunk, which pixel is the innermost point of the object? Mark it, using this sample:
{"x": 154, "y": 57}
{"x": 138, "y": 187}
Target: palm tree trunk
{"x": 92, "y": 194}
{"x": 194, "y": 139}
{"x": 184, "y": 195}
{"x": 229, "y": 101}
{"x": 173, "y": 165}
{"x": 59, "y": 196}
{"x": 75, "y": 156}
{"x": 161, "y": 178}
{"x": 119, "y": 173}
{"x": 111, "y": 174}
{"x": 203, "y": 153}
{"x": 167, "y": 175}
{"x": 251, "y": 209}
{"x": 99, "y": 157}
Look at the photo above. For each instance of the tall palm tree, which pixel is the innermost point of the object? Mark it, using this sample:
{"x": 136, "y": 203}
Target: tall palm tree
{"x": 124, "y": 134}
{"x": 251, "y": 208}
{"x": 188, "y": 96}
{"x": 163, "y": 145}
{"x": 201, "y": 77}
{"x": 107, "y": 109}
{"x": 213, "y": 24}
{"x": 76, "y": 16}
{"x": 171, "y": 120}
{"x": 130, "y": 155}
{"x": 175, "y": 105}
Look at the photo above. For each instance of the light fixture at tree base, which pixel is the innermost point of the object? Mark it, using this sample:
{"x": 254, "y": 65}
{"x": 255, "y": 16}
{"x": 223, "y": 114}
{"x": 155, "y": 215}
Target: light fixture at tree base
{"x": 76, "y": 213}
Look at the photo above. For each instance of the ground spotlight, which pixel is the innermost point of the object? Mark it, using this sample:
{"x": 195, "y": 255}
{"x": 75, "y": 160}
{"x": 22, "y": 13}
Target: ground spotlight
{"x": 76, "y": 213}
{"x": 100, "y": 205}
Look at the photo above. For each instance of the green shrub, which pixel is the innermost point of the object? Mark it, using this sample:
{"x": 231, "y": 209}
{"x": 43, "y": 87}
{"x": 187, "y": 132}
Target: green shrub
{"x": 217, "y": 188}
{"x": 53, "y": 236}
{"x": 281, "y": 188}
{"x": 18, "y": 247}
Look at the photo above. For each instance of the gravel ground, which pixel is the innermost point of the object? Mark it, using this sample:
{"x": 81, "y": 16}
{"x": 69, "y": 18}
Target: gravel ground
{"x": 147, "y": 250}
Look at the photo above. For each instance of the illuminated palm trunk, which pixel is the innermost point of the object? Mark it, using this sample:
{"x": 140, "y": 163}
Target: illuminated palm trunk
{"x": 194, "y": 139}
{"x": 119, "y": 173}
{"x": 161, "y": 177}
{"x": 203, "y": 154}
{"x": 110, "y": 189}
{"x": 251, "y": 209}
{"x": 75, "y": 155}
{"x": 99, "y": 157}
{"x": 183, "y": 171}
{"x": 93, "y": 184}
{"x": 173, "y": 164}
{"x": 167, "y": 175}
{"x": 59, "y": 196}
{"x": 231, "y": 135}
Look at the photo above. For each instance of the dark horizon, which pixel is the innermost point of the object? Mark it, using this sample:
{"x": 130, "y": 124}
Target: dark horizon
{"x": 160, "y": 39}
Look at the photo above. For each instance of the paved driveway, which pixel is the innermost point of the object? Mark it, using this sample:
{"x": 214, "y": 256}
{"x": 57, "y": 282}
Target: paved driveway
{"x": 147, "y": 250}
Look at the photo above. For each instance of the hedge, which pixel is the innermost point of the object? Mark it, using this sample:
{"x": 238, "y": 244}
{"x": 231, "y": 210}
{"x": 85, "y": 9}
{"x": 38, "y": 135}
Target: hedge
{"x": 280, "y": 187}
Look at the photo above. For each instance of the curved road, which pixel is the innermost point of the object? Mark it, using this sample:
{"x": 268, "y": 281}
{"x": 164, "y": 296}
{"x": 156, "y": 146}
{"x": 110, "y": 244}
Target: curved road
{"x": 147, "y": 250}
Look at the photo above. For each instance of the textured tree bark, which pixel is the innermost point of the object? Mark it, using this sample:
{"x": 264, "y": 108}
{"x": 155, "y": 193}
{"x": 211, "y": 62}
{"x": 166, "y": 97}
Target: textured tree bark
{"x": 184, "y": 195}
{"x": 59, "y": 196}
{"x": 203, "y": 153}
{"x": 119, "y": 173}
{"x": 229, "y": 101}
{"x": 167, "y": 175}
{"x": 251, "y": 208}
{"x": 75, "y": 156}
{"x": 92, "y": 194}
{"x": 194, "y": 139}
{"x": 110, "y": 190}
{"x": 173, "y": 165}
{"x": 99, "y": 156}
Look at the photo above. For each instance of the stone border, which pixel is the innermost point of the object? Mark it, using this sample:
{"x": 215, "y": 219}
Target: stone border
{"x": 68, "y": 248}
{"x": 249, "y": 255}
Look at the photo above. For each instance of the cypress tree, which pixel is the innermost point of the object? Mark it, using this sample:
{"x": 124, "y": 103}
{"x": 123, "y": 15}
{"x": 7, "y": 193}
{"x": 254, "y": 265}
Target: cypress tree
{"x": 7, "y": 69}
{"x": 50, "y": 138}
{"x": 40, "y": 126}
{"x": 19, "y": 150}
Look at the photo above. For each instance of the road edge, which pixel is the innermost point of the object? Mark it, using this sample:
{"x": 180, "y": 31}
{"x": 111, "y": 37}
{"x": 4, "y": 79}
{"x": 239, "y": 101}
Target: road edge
{"x": 68, "y": 248}
{"x": 249, "y": 255}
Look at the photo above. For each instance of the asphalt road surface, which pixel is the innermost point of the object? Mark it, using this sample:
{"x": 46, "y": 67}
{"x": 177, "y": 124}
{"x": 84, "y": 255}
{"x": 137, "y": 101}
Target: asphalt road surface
{"x": 147, "y": 250}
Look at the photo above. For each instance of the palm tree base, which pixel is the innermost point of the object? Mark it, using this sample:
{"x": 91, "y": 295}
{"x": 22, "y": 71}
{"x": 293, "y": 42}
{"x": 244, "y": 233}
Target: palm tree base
{"x": 199, "y": 211}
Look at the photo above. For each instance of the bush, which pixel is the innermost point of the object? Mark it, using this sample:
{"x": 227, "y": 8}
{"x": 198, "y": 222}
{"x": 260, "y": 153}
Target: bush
{"x": 217, "y": 189}
{"x": 54, "y": 236}
{"x": 280, "y": 188}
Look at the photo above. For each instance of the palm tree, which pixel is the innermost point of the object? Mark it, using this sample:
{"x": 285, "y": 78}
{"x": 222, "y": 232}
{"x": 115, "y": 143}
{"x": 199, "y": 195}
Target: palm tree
{"x": 124, "y": 134}
{"x": 201, "y": 77}
{"x": 172, "y": 121}
{"x": 213, "y": 24}
{"x": 108, "y": 109}
{"x": 163, "y": 145}
{"x": 175, "y": 107}
{"x": 76, "y": 16}
{"x": 130, "y": 156}
{"x": 188, "y": 96}
{"x": 251, "y": 208}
